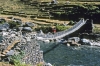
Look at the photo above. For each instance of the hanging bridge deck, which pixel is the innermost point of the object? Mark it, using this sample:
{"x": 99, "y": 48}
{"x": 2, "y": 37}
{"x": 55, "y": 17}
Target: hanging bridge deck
{"x": 62, "y": 34}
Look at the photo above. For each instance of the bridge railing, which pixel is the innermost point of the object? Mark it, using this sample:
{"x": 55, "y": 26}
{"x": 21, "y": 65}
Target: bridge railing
{"x": 69, "y": 30}
{"x": 74, "y": 28}
{"x": 66, "y": 32}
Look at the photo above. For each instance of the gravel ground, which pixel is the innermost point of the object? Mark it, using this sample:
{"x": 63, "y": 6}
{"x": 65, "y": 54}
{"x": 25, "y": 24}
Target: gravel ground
{"x": 33, "y": 55}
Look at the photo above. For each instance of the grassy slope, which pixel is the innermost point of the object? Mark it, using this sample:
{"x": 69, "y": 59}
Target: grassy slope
{"x": 96, "y": 28}
{"x": 14, "y": 5}
{"x": 10, "y": 5}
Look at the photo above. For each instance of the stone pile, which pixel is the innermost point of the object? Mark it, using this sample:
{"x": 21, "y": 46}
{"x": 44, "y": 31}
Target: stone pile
{"x": 7, "y": 40}
{"x": 28, "y": 44}
{"x": 33, "y": 55}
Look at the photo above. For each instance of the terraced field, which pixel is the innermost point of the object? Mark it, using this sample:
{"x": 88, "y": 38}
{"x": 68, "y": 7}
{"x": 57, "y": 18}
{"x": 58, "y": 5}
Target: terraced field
{"x": 38, "y": 21}
{"x": 32, "y": 12}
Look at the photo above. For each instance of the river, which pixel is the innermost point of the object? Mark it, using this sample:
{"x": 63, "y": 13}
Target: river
{"x": 61, "y": 55}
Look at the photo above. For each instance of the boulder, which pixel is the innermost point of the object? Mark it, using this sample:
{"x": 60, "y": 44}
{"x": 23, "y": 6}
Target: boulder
{"x": 17, "y": 20}
{"x": 29, "y": 24}
{"x": 29, "y": 29}
{"x": 54, "y": 2}
{"x": 76, "y": 39}
{"x": 85, "y": 42}
{"x": 46, "y": 41}
{"x": 11, "y": 52}
{"x": 4, "y": 27}
{"x": 73, "y": 41}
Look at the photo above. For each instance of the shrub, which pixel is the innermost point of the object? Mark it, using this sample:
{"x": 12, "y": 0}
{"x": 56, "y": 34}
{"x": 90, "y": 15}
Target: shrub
{"x": 16, "y": 59}
{"x": 13, "y": 24}
{"x": 60, "y": 28}
{"x": 44, "y": 29}
{"x": 71, "y": 23}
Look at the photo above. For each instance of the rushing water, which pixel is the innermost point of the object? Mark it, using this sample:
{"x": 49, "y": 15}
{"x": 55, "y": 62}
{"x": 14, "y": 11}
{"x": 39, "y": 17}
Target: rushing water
{"x": 61, "y": 55}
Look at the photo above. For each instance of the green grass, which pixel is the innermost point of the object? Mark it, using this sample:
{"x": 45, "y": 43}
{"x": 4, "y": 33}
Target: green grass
{"x": 16, "y": 6}
{"x": 96, "y": 28}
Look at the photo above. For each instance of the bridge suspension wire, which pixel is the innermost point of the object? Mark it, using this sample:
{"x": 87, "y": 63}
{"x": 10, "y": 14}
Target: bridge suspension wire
{"x": 61, "y": 34}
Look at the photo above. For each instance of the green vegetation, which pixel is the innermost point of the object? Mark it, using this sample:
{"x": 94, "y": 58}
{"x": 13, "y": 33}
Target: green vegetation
{"x": 44, "y": 29}
{"x": 16, "y": 59}
{"x": 71, "y": 23}
{"x": 62, "y": 28}
{"x": 96, "y": 28}
{"x": 13, "y": 24}
{"x": 39, "y": 64}
{"x": 2, "y": 21}
{"x": 47, "y": 29}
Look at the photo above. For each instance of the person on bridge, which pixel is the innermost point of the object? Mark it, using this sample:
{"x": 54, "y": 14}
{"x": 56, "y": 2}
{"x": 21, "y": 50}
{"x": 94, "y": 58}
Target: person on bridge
{"x": 54, "y": 30}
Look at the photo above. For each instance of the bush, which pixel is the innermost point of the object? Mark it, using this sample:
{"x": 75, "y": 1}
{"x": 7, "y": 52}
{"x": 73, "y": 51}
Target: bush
{"x": 71, "y": 23}
{"x": 13, "y": 24}
{"x": 60, "y": 28}
{"x": 44, "y": 29}
{"x": 2, "y": 21}
{"x": 16, "y": 59}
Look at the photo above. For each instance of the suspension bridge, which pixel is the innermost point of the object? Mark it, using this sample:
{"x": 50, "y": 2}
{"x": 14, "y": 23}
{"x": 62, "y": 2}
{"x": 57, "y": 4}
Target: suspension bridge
{"x": 64, "y": 33}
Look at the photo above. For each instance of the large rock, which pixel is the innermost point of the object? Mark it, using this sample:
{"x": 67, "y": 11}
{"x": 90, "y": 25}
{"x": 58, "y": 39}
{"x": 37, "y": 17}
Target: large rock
{"x": 76, "y": 39}
{"x": 85, "y": 42}
{"x": 17, "y": 20}
{"x": 29, "y": 29}
{"x": 73, "y": 41}
{"x": 4, "y": 27}
{"x": 29, "y": 24}
{"x": 11, "y": 52}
